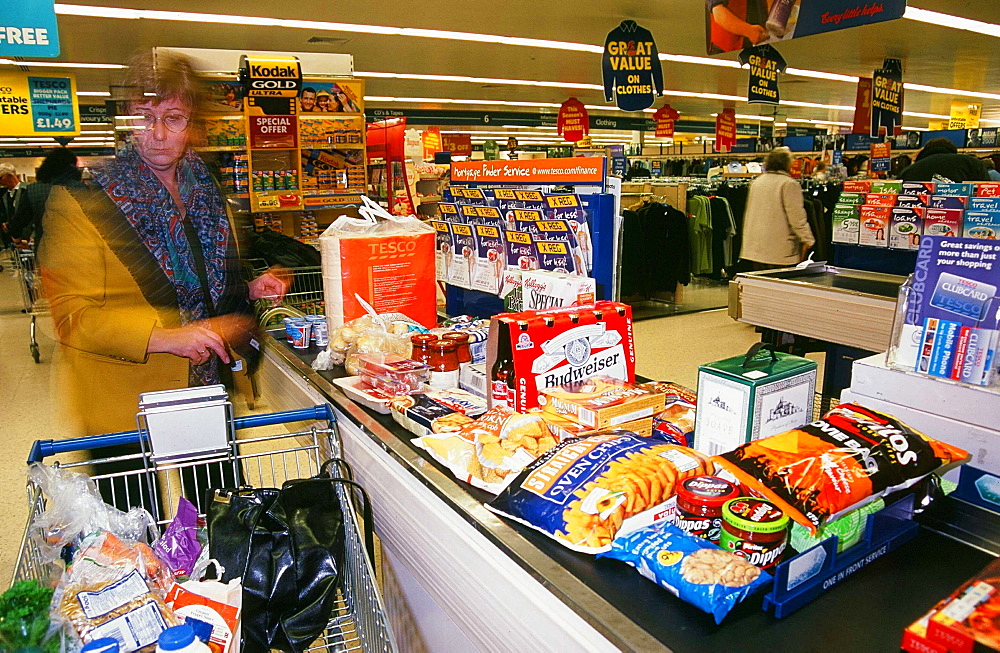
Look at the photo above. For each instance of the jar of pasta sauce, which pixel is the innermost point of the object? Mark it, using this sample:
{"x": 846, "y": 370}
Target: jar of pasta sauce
{"x": 699, "y": 505}
{"x": 754, "y": 529}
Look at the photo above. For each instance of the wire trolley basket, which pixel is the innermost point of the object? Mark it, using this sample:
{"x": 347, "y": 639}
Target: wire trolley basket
{"x": 31, "y": 292}
{"x": 304, "y": 296}
{"x": 358, "y": 621}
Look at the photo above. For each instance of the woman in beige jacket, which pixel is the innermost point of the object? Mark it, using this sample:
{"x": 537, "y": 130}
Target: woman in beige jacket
{"x": 776, "y": 232}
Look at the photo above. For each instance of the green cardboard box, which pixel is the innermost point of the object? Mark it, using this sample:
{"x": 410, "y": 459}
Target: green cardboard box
{"x": 750, "y": 397}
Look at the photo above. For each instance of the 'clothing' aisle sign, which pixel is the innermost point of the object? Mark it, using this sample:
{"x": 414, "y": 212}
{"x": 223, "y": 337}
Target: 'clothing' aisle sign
{"x": 28, "y": 28}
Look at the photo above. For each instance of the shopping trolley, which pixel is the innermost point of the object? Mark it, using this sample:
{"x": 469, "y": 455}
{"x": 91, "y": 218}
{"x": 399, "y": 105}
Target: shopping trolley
{"x": 304, "y": 296}
{"x": 358, "y": 621}
{"x": 31, "y": 291}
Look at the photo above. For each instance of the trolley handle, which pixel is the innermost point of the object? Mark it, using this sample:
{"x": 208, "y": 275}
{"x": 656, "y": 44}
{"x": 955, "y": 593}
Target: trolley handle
{"x": 42, "y": 449}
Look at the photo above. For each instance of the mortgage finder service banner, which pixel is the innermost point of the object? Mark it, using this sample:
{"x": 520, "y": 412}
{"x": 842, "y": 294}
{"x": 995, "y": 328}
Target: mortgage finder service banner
{"x": 737, "y": 24}
{"x": 38, "y": 105}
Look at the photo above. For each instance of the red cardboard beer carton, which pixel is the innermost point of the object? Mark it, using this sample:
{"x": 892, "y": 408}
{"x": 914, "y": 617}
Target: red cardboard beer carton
{"x": 541, "y": 349}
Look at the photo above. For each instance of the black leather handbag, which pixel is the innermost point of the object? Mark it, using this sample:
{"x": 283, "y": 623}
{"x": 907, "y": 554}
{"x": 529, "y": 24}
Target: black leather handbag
{"x": 287, "y": 545}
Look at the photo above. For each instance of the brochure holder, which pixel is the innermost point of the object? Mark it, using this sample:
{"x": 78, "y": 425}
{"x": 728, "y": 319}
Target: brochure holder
{"x": 187, "y": 424}
{"x": 801, "y": 579}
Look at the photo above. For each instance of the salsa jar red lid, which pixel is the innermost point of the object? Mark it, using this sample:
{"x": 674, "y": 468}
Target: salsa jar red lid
{"x": 709, "y": 491}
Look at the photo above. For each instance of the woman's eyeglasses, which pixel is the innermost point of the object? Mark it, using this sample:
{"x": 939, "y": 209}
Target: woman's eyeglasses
{"x": 174, "y": 122}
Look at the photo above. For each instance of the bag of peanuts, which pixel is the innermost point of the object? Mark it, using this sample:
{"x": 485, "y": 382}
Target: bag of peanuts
{"x": 691, "y": 568}
{"x": 584, "y": 491}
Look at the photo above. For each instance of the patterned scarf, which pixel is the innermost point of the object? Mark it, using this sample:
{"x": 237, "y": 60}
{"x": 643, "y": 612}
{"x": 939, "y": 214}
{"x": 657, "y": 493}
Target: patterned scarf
{"x": 148, "y": 207}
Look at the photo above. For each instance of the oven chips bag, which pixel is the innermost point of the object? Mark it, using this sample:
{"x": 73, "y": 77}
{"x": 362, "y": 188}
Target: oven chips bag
{"x": 585, "y": 490}
{"x": 692, "y": 568}
{"x": 851, "y": 457}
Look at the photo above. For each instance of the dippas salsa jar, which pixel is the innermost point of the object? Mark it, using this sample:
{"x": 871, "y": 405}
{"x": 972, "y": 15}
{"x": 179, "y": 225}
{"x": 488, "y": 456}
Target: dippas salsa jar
{"x": 699, "y": 505}
{"x": 754, "y": 529}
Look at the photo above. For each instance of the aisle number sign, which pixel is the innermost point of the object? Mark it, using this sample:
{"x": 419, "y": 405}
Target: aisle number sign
{"x": 28, "y": 28}
{"x": 35, "y": 105}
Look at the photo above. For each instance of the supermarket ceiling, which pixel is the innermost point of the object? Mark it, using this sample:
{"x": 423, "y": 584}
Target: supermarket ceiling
{"x": 933, "y": 54}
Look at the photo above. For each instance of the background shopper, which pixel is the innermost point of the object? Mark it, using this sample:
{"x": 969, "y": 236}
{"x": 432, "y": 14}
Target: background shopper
{"x": 142, "y": 272}
{"x": 940, "y": 157}
{"x": 10, "y": 195}
{"x": 58, "y": 168}
{"x": 776, "y": 231}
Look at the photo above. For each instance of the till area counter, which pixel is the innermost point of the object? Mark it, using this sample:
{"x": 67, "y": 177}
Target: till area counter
{"x": 459, "y": 578}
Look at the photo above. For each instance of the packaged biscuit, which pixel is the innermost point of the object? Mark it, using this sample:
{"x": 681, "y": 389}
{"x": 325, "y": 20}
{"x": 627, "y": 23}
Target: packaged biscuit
{"x": 601, "y": 401}
{"x": 563, "y": 428}
{"x": 675, "y": 423}
{"x": 585, "y": 491}
{"x": 851, "y": 457}
{"x": 421, "y": 415}
{"x": 508, "y": 440}
{"x": 691, "y": 568}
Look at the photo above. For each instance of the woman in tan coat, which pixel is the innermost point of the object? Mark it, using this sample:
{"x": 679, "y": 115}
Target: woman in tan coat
{"x": 142, "y": 272}
{"x": 776, "y": 232}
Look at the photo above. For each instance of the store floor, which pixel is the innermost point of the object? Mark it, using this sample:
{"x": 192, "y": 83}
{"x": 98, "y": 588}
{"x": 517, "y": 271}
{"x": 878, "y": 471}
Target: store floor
{"x": 669, "y": 349}
{"x": 699, "y": 295}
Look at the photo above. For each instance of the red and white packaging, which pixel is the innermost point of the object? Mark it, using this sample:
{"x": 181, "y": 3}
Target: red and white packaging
{"x": 988, "y": 189}
{"x": 564, "y": 345}
{"x": 215, "y": 603}
{"x": 542, "y": 289}
{"x": 386, "y": 260}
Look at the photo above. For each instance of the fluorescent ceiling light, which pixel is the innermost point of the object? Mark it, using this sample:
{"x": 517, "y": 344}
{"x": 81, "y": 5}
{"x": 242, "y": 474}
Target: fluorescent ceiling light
{"x": 956, "y": 22}
{"x": 479, "y": 80}
{"x": 742, "y": 116}
{"x": 61, "y": 64}
{"x": 94, "y": 93}
{"x": 816, "y": 74}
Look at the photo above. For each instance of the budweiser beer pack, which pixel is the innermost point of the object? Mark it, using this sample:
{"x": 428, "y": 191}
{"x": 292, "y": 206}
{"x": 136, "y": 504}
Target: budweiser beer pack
{"x": 533, "y": 350}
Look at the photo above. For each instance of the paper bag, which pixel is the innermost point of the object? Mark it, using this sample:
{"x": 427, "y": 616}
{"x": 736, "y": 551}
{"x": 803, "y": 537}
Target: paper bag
{"x": 218, "y": 604}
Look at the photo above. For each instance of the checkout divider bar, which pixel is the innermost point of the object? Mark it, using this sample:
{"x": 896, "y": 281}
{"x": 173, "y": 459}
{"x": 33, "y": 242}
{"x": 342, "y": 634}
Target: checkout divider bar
{"x": 42, "y": 449}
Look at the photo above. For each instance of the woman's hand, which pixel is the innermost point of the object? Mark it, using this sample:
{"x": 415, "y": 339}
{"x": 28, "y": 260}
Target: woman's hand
{"x": 270, "y": 285}
{"x": 195, "y": 343}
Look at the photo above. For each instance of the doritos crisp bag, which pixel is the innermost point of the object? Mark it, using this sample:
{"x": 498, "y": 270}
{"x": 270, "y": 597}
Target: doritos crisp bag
{"x": 837, "y": 464}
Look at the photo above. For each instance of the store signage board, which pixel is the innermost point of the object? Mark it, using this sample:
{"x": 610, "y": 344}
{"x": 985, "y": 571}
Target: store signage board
{"x": 94, "y": 114}
{"x": 791, "y": 19}
{"x": 633, "y": 77}
{"x": 38, "y": 105}
{"x": 432, "y": 143}
{"x": 271, "y": 84}
{"x": 457, "y": 144}
{"x": 863, "y": 106}
{"x": 725, "y": 130}
{"x": 765, "y": 64}
{"x": 881, "y": 157}
{"x": 965, "y": 115}
{"x": 887, "y": 98}
{"x": 665, "y": 117}
{"x": 273, "y": 132}
{"x": 983, "y": 137}
{"x": 28, "y": 28}
{"x": 583, "y": 170}
{"x": 573, "y": 122}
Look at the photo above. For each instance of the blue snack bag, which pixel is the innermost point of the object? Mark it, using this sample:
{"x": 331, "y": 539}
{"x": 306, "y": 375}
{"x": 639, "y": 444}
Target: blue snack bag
{"x": 691, "y": 568}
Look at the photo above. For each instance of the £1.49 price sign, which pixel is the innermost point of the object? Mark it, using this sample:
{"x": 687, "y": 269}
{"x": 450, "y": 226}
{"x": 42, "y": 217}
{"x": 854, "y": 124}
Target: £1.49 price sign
{"x": 32, "y": 105}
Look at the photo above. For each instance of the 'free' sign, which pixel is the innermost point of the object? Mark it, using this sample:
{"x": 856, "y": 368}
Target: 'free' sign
{"x": 28, "y": 29}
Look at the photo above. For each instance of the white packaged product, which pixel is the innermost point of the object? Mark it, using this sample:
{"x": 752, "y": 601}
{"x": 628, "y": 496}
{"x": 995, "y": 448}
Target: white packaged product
{"x": 541, "y": 290}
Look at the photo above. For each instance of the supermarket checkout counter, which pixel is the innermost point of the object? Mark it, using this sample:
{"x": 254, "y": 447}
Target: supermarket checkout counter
{"x": 467, "y": 578}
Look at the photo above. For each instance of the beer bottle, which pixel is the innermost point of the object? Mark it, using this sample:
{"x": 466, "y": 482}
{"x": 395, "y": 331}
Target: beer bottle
{"x": 502, "y": 373}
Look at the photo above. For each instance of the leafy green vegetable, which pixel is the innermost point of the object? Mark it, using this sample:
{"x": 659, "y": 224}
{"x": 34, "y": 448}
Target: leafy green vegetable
{"x": 24, "y": 615}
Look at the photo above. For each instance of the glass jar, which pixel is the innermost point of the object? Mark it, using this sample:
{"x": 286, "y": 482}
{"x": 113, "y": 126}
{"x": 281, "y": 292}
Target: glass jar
{"x": 443, "y": 364}
{"x": 754, "y": 529}
{"x": 421, "y": 347}
{"x": 462, "y": 342}
{"x": 699, "y": 505}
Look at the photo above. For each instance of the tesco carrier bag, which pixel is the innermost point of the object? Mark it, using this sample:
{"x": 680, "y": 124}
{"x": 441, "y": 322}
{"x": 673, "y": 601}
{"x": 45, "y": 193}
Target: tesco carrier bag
{"x": 384, "y": 259}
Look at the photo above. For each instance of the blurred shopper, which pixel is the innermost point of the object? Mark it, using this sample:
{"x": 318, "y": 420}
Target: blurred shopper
{"x": 10, "y": 197}
{"x": 58, "y": 168}
{"x": 940, "y": 157}
{"x": 991, "y": 169}
{"x": 141, "y": 272}
{"x": 776, "y": 231}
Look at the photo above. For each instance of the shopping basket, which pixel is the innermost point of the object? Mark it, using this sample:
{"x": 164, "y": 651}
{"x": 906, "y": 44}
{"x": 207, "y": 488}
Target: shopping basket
{"x": 31, "y": 291}
{"x": 304, "y": 296}
{"x": 358, "y": 622}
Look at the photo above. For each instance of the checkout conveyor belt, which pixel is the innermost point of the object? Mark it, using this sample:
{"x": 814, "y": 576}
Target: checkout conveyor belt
{"x": 865, "y": 612}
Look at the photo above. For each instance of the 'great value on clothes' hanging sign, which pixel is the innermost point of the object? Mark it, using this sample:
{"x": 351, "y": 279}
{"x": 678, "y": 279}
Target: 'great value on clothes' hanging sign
{"x": 633, "y": 76}
{"x": 765, "y": 63}
{"x": 34, "y": 105}
{"x": 887, "y": 98}
{"x": 28, "y": 28}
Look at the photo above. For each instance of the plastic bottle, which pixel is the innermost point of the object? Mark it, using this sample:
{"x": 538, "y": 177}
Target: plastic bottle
{"x": 180, "y": 639}
{"x": 103, "y": 645}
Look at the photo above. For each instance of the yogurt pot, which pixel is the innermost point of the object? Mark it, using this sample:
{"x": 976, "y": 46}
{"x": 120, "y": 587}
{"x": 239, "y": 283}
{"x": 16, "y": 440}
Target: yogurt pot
{"x": 298, "y": 333}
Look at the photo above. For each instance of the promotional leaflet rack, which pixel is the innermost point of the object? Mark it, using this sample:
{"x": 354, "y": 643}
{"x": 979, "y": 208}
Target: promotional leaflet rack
{"x": 602, "y": 198}
{"x": 358, "y": 621}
